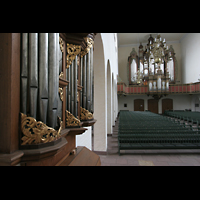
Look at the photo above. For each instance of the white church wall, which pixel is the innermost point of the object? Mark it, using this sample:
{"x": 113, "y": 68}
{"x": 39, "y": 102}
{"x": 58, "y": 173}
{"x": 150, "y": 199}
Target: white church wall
{"x": 105, "y": 92}
{"x": 85, "y": 139}
{"x": 195, "y": 103}
{"x": 105, "y": 55}
{"x": 180, "y": 102}
{"x": 190, "y": 50}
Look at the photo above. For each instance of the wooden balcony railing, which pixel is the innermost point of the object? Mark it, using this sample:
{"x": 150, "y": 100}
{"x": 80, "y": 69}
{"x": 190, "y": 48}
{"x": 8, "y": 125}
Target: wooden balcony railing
{"x": 193, "y": 88}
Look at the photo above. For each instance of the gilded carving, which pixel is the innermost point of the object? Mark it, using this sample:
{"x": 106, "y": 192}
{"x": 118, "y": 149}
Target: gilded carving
{"x": 61, "y": 93}
{"x": 86, "y": 115}
{"x": 37, "y": 132}
{"x": 61, "y": 44}
{"x": 61, "y": 75}
{"x": 71, "y": 120}
{"x": 89, "y": 42}
{"x": 72, "y": 52}
{"x": 77, "y": 96}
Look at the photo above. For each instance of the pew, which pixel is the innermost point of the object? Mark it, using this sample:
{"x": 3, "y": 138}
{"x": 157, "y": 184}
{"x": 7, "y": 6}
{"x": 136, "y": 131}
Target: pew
{"x": 146, "y": 130}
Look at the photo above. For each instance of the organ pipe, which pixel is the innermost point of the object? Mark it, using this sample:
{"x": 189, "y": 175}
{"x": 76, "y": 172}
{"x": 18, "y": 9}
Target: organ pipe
{"x": 33, "y": 70}
{"x": 24, "y": 73}
{"x": 52, "y": 79}
{"x": 84, "y": 82}
{"x": 88, "y": 82}
{"x": 75, "y": 88}
{"x": 43, "y": 76}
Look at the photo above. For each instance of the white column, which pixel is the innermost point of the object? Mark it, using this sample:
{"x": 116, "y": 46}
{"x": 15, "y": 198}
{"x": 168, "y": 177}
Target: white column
{"x": 100, "y": 98}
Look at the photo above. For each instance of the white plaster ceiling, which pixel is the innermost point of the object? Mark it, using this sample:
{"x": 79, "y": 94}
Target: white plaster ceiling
{"x": 128, "y": 39}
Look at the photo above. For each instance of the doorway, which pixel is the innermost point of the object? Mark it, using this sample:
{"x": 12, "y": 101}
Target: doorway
{"x": 153, "y": 105}
{"x": 167, "y": 104}
{"x": 139, "y": 105}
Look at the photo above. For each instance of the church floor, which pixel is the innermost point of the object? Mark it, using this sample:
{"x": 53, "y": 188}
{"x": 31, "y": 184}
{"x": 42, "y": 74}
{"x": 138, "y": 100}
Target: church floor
{"x": 149, "y": 159}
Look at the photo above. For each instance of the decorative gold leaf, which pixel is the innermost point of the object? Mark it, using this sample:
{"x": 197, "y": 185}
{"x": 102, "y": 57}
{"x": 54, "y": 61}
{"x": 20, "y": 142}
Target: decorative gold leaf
{"x": 37, "y": 132}
{"x": 71, "y": 120}
{"x": 85, "y": 114}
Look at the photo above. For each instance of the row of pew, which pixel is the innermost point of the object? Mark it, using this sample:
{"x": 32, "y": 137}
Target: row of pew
{"x": 186, "y": 116}
{"x": 147, "y": 130}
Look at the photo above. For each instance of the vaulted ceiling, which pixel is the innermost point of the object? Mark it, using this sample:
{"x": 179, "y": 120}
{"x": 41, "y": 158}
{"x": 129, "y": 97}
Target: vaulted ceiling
{"x": 135, "y": 38}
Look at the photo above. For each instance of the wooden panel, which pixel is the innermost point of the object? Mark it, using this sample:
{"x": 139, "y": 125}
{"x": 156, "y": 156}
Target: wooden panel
{"x": 192, "y": 88}
{"x": 176, "y": 89}
{"x": 48, "y": 156}
{"x": 180, "y": 89}
{"x": 139, "y": 105}
{"x": 153, "y": 105}
{"x": 10, "y": 91}
{"x": 121, "y": 89}
{"x": 188, "y": 88}
{"x": 172, "y": 89}
{"x": 198, "y": 87}
{"x": 127, "y": 89}
{"x": 118, "y": 88}
{"x": 184, "y": 89}
{"x": 167, "y": 104}
{"x": 84, "y": 157}
{"x": 131, "y": 89}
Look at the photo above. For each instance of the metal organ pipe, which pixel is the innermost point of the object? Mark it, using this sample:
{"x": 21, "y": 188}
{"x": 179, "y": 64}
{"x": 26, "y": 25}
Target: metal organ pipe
{"x": 75, "y": 88}
{"x": 40, "y": 78}
{"x": 84, "y": 82}
{"x": 43, "y": 76}
{"x": 81, "y": 82}
{"x": 68, "y": 88}
{"x": 33, "y": 70}
{"x": 24, "y": 73}
{"x": 52, "y": 79}
{"x": 88, "y": 81}
{"x": 72, "y": 87}
{"x": 91, "y": 81}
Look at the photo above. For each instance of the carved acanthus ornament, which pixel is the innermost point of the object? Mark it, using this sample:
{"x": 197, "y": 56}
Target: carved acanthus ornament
{"x": 37, "y": 132}
{"x": 89, "y": 42}
{"x": 61, "y": 93}
{"x": 61, "y": 44}
{"x": 61, "y": 75}
{"x": 86, "y": 115}
{"x": 72, "y": 52}
{"x": 71, "y": 120}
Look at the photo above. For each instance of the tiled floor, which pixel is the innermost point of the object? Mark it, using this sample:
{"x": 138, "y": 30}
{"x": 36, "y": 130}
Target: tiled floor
{"x": 150, "y": 160}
